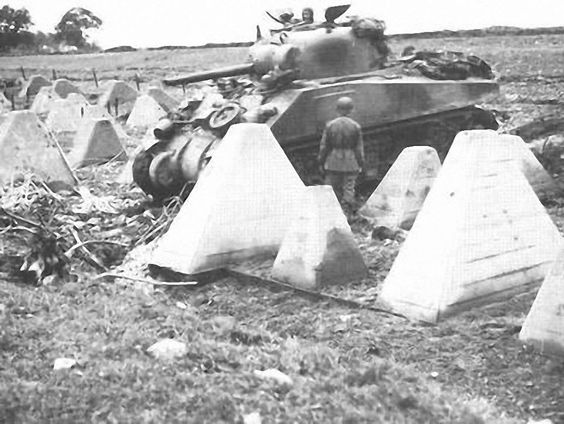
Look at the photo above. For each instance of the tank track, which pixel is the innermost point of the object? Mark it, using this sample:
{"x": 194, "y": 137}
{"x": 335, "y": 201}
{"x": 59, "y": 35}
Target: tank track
{"x": 382, "y": 145}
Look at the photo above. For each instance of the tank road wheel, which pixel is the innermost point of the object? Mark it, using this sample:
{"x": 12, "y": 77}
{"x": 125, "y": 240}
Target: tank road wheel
{"x": 147, "y": 171}
{"x": 483, "y": 119}
{"x": 140, "y": 169}
{"x": 224, "y": 117}
{"x": 165, "y": 174}
{"x": 440, "y": 135}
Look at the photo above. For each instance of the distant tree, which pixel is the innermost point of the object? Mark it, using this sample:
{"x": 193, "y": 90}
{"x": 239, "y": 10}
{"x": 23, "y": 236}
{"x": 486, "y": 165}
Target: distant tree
{"x": 74, "y": 23}
{"x": 14, "y": 20}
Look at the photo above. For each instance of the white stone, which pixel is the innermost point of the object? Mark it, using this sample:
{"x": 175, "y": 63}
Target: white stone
{"x": 167, "y": 349}
{"x": 63, "y": 364}
{"x": 275, "y": 375}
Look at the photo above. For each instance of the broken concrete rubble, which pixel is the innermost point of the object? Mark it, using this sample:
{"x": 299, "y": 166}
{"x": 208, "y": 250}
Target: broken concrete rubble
{"x": 318, "y": 248}
{"x": 239, "y": 208}
{"x": 474, "y": 241}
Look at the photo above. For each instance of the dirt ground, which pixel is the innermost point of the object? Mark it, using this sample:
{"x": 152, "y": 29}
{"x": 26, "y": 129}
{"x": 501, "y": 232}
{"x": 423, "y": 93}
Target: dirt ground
{"x": 347, "y": 364}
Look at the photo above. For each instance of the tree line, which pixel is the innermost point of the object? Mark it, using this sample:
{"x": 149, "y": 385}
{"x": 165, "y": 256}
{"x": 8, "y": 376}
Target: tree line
{"x": 69, "y": 35}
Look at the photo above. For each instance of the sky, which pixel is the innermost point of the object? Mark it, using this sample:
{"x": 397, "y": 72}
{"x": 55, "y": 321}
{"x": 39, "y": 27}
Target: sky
{"x": 153, "y": 23}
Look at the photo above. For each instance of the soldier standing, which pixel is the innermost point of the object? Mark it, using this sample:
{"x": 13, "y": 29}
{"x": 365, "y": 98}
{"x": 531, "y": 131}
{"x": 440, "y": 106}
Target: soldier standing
{"x": 341, "y": 153}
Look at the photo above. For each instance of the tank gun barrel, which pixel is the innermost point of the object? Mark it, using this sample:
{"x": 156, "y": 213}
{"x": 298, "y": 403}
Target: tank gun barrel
{"x": 230, "y": 71}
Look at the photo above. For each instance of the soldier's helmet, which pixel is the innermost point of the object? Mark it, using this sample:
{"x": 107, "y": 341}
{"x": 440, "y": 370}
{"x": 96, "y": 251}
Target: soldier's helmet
{"x": 345, "y": 104}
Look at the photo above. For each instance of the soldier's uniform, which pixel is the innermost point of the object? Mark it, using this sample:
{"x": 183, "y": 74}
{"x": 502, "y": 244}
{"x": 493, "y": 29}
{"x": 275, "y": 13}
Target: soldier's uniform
{"x": 341, "y": 153}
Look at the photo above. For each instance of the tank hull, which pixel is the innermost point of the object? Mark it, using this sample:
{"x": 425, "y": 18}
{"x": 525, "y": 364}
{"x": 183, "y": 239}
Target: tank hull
{"x": 303, "y": 113}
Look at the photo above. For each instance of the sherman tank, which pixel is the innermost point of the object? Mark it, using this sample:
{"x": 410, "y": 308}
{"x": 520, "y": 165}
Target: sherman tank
{"x": 291, "y": 83}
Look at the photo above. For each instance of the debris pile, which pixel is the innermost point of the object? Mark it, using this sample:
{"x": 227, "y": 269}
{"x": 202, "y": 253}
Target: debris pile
{"x": 50, "y": 234}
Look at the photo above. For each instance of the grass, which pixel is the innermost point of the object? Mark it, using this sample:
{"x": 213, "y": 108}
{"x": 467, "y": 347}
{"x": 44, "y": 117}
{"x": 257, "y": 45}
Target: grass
{"x": 148, "y": 63}
{"x": 107, "y": 328}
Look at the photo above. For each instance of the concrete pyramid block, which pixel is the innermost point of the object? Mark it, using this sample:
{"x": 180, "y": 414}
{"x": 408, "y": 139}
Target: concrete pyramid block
{"x": 43, "y": 101}
{"x": 63, "y": 87}
{"x": 514, "y": 148}
{"x": 5, "y": 104}
{"x": 481, "y": 236}
{"x": 26, "y": 145}
{"x": 120, "y": 93}
{"x": 96, "y": 112}
{"x": 165, "y": 101}
{"x": 99, "y": 112}
{"x": 145, "y": 113}
{"x": 96, "y": 141}
{"x": 319, "y": 249}
{"x": 156, "y": 83}
{"x": 32, "y": 85}
{"x": 239, "y": 208}
{"x": 544, "y": 326}
{"x": 400, "y": 195}
{"x": 65, "y": 114}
